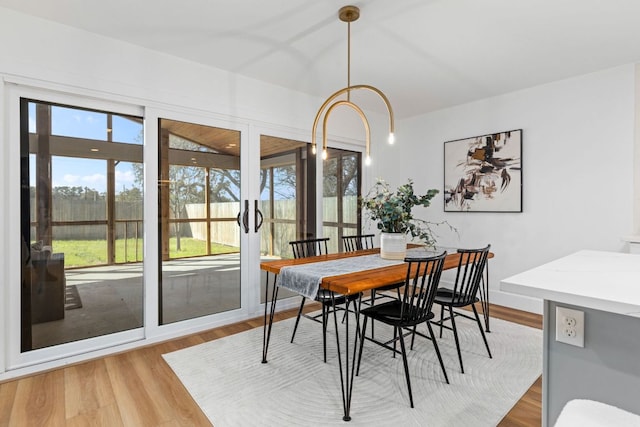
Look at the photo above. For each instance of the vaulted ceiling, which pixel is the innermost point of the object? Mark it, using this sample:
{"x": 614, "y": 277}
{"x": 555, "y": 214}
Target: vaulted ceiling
{"x": 424, "y": 54}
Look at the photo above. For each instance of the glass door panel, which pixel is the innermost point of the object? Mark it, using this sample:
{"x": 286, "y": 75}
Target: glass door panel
{"x": 199, "y": 200}
{"x": 77, "y": 177}
{"x": 341, "y": 192}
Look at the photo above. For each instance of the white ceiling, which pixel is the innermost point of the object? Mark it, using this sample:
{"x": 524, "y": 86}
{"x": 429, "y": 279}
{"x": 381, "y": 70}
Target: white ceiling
{"x": 423, "y": 54}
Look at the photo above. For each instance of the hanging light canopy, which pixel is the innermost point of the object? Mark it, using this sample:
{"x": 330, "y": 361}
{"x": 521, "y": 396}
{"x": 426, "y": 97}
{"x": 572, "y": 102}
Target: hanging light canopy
{"x": 349, "y": 14}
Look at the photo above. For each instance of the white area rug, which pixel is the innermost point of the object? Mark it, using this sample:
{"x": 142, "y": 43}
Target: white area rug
{"x": 295, "y": 388}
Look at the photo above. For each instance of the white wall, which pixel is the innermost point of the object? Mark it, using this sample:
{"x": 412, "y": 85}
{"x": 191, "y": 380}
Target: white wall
{"x": 578, "y": 147}
{"x": 61, "y": 55}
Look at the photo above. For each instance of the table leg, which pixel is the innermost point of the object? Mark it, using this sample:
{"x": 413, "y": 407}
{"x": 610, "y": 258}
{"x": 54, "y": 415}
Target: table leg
{"x": 346, "y": 374}
{"x": 266, "y": 328}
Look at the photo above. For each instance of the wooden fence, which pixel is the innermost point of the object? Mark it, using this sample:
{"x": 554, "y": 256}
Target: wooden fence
{"x": 224, "y": 228}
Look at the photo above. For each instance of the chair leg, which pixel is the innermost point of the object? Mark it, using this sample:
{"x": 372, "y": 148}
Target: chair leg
{"x": 413, "y": 335}
{"x": 404, "y": 361}
{"x": 484, "y": 337}
{"x": 373, "y": 302}
{"x": 295, "y": 327}
{"x": 364, "y": 326}
{"x": 435, "y": 346}
{"x": 455, "y": 335}
{"x": 395, "y": 340}
{"x": 441, "y": 318}
{"x": 346, "y": 310}
{"x": 325, "y": 320}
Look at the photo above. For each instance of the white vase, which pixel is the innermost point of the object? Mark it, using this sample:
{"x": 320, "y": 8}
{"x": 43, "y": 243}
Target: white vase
{"x": 393, "y": 245}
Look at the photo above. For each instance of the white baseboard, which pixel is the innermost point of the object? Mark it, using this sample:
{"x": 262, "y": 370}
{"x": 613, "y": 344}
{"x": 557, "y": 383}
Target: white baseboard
{"x": 532, "y": 305}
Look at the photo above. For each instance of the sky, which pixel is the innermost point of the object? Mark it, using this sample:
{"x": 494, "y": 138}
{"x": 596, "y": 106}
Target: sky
{"x": 75, "y": 172}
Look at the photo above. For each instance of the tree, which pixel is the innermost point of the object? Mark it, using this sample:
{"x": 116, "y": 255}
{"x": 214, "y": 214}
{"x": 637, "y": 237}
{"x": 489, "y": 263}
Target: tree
{"x": 133, "y": 194}
{"x": 186, "y": 185}
{"x": 284, "y": 182}
{"x": 76, "y": 193}
{"x": 225, "y": 185}
{"x": 349, "y": 172}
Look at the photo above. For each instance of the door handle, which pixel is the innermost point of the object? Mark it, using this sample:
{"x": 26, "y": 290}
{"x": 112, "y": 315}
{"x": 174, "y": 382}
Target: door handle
{"x": 257, "y": 213}
{"x": 245, "y": 217}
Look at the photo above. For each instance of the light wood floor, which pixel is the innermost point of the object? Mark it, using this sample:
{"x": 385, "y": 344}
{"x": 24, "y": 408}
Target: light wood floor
{"x": 137, "y": 388}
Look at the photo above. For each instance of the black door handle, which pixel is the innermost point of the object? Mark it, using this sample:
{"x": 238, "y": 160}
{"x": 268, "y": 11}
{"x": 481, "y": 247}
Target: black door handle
{"x": 245, "y": 217}
{"x": 257, "y": 213}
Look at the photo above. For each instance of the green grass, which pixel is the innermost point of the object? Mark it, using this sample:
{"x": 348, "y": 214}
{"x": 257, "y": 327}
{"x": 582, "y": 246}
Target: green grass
{"x": 194, "y": 247}
{"x": 84, "y": 253}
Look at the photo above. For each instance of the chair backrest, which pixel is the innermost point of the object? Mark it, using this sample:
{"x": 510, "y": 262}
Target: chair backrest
{"x": 357, "y": 242}
{"x": 309, "y": 247}
{"x": 469, "y": 275}
{"x": 421, "y": 284}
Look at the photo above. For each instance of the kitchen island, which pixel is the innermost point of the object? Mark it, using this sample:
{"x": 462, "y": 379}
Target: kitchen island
{"x": 605, "y": 287}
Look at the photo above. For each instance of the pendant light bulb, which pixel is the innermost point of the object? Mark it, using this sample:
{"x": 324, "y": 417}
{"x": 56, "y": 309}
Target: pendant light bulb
{"x": 367, "y": 161}
{"x": 313, "y": 149}
{"x": 392, "y": 138}
{"x": 324, "y": 154}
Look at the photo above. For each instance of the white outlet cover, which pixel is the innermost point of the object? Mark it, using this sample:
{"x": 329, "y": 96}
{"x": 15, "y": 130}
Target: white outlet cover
{"x": 573, "y": 335}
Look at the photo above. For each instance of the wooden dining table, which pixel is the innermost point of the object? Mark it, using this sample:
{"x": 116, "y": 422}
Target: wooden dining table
{"x": 349, "y": 284}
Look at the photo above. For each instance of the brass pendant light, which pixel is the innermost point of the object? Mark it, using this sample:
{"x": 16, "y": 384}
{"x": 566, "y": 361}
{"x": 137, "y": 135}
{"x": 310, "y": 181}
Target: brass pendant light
{"x": 349, "y": 14}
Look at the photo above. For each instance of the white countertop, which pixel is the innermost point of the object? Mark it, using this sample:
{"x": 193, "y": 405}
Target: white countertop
{"x": 607, "y": 281}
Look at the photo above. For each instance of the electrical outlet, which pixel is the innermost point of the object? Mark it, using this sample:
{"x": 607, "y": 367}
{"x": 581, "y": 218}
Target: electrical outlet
{"x": 570, "y": 326}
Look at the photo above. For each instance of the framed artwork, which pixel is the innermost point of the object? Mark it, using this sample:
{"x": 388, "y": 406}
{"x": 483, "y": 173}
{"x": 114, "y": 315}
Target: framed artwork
{"x": 484, "y": 173}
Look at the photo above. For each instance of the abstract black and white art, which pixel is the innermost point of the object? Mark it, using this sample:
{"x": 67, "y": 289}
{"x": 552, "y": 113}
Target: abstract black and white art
{"x": 484, "y": 173}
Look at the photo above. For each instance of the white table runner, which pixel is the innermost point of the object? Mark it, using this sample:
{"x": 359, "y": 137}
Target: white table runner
{"x": 305, "y": 279}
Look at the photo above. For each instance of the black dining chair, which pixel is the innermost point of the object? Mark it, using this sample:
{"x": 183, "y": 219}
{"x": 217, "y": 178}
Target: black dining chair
{"x": 463, "y": 294}
{"x": 365, "y": 241}
{"x": 357, "y": 242}
{"x": 313, "y": 247}
{"x": 413, "y": 309}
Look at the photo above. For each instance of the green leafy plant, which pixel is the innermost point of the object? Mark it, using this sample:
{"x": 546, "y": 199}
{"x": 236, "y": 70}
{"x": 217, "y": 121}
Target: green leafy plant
{"x": 392, "y": 210}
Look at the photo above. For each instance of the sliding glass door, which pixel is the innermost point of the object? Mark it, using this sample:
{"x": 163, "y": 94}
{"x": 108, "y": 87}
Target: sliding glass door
{"x": 139, "y": 223}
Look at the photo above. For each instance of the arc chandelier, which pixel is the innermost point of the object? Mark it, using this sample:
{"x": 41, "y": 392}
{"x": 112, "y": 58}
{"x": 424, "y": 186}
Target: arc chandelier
{"x": 349, "y": 14}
